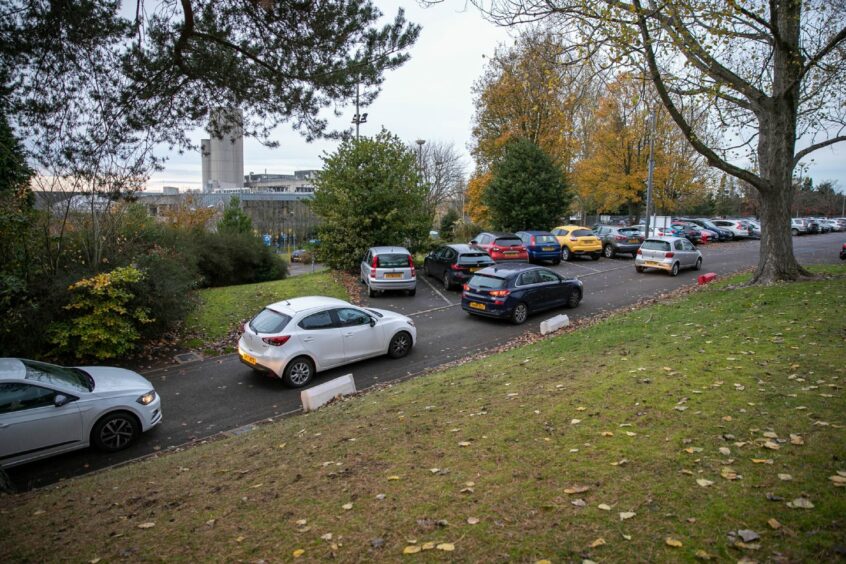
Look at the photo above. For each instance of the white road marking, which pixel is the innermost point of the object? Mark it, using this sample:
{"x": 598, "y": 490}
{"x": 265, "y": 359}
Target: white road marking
{"x": 431, "y": 310}
{"x": 424, "y": 278}
{"x": 587, "y": 267}
{"x": 604, "y": 271}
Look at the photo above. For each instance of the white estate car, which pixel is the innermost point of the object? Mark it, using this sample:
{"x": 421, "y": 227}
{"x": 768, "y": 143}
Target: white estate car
{"x": 47, "y": 409}
{"x": 293, "y": 339}
{"x": 668, "y": 253}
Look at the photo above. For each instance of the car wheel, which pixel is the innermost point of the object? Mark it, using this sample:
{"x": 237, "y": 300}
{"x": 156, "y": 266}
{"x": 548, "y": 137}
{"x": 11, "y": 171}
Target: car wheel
{"x": 371, "y": 292}
{"x": 299, "y": 372}
{"x": 675, "y": 269}
{"x": 400, "y": 345}
{"x": 520, "y": 313}
{"x": 565, "y": 254}
{"x": 447, "y": 283}
{"x": 609, "y": 251}
{"x": 412, "y": 292}
{"x": 794, "y": 232}
{"x": 574, "y": 299}
{"x": 698, "y": 264}
{"x": 115, "y": 431}
{"x": 595, "y": 256}
{"x": 556, "y": 262}
{"x": 639, "y": 268}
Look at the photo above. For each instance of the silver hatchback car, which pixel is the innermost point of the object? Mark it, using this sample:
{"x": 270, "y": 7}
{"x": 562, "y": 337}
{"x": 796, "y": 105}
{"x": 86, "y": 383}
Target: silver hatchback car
{"x": 668, "y": 253}
{"x": 388, "y": 268}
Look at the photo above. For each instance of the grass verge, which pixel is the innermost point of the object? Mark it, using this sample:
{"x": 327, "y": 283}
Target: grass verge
{"x": 650, "y": 436}
{"x": 221, "y": 310}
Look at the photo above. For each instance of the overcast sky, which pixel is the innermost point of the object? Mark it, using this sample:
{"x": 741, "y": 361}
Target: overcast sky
{"x": 427, "y": 98}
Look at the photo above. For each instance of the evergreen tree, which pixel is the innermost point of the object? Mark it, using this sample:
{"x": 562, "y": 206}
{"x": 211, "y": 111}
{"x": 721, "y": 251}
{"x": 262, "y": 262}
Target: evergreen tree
{"x": 234, "y": 219}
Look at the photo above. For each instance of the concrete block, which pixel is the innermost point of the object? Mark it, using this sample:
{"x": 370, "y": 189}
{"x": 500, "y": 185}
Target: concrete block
{"x": 554, "y": 324}
{"x": 317, "y": 396}
{"x": 705, "y": 278}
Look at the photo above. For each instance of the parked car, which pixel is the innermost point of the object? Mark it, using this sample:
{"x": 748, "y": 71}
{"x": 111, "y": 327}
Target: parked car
{"x": 618, "y": 240}
{"x": 756, "y": 228}
{"x": 577, "y": 240}
{"x": 843, "y": 252}
{"x": 46, "y": 409}
{"x": 388, "y": 268}
{"x": 798, "y": 226}
{"x": 691, "y": 232}
{"x": 299, "y": 255}
{"x": 813, "y": 225}
{"x": 736, "y": 226}
{"x": 541, "y": 245}
{"x": 294, "y": 339}
{"x": 455, "y": 264}
{"x": 501, "y": 246}
{"x": 514, "y": 291}
{"x": 668, "y": 253}
{"x": 721, "y": 234}
{"x": 829, "y": 225}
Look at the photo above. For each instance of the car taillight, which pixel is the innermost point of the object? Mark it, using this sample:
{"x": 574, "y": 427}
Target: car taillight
{"x": 669, "y": 255}
{"x": 411, "y": 265}
{"x": 639, "y": 252}
{"x": 532, "y": 240}
{"x": 499, "y": 293}
{"x": 573, "y": 239}
{"x": 466, "y": 287}
{"x": 455, "y": 267}
{"x": 276, "y": 341}
{"x": 375, "y": 263}
{"x": 620, "y": 238}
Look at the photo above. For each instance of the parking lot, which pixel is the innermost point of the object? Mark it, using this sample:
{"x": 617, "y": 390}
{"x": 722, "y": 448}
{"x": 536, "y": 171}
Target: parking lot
{"x": 217, "y": 395}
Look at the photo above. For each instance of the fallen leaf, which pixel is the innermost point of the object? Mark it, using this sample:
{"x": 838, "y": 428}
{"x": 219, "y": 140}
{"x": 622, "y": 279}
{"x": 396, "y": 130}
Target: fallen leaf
{"x": 434, "y": 470}
{"x": 774, "y": 524}
{"x": 576, "y": 489}
{"x": 427, "y": 546}
{"x": 704, "y": 483}
{"x": 762, "y": 460}
{"x": 680, "y": 408}
{"x": 39, "y": 512}
{"x": 691, "y": 450}
{"x": 838, "y": 480}
{"x": 670, "y": 541}
{"x": 240, "y": 538}
{"x": 579, "y": 502}
{"x": 326, "y": 537}
{"x": 464, "y": 444}
{"x": 297, "y": 553}
{"x": 769, "y": 435}
{"x": 446, "y": 546}
{"x": 411, "y": 549}
{"x": 302, "y": 522}
{"x": 725, "y": 451}
{"x": 800, "y": 503}
{"x": 771, "y": 445}
{"x": 785, "y": 477}
{"x": 94, "y": 560}
{"x": 626, "y": 515}
{"x": 604, "y": 507}
{"x": 543, "y": 562}
{"x": 575, "y": 421}
{"x": 702, "y": 555}
{"x": 347, "y": 506}
{"x": 147, "y": 525}
{"x": 597, "y": 543}
{"x": 796, "y": 439}
{"x": 607, "y": 434}
{"x": 729, "y": 473}
{"x": 472, "y": 520}
{"x": 631, "y": 433}
{"x": 393, "y": 478}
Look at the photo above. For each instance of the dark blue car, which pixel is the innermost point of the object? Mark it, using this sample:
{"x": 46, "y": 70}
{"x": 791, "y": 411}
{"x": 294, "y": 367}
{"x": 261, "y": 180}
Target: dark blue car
{"x": 541, "y": 245}
{"x": 513, "y": 291}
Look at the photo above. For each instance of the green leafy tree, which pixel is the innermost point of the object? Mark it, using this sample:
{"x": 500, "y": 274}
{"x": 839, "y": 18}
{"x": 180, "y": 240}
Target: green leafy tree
{"x": 527, "y": 189}
{"x": 369, "y": 193}
{"x": 234, "y": 219}
{"x": 447, "y": 226}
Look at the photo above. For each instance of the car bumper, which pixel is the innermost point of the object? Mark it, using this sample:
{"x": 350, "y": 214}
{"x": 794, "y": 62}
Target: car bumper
{"x": 586, "y": 250}
{"x": 379, "y": 284}
{"x": 659, "y": 264}
{"x": 490, "y": 310}
{"x": 627, "y": 248}
{"x": 270, "y": 365}
{"x": 510, "y": 258}
{"x": 151, "y": 415}
{"x": 545, "y": 255}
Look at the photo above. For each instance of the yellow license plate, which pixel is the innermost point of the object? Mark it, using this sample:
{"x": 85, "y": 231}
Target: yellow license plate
{"x": 393, "y": 275}
{"x": 547, "y": 248}
{"x": 634, "y": 241}
{"x": 248, "y": 358}
{"x": 475, "y": 305}
{"x": 475, "y": 269}
{"x": 651, "y": 263}
{"x": 510, "y": 253}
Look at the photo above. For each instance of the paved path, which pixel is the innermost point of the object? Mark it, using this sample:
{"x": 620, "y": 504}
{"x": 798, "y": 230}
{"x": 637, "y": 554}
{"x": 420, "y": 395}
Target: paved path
{"x": 221, "y": 394}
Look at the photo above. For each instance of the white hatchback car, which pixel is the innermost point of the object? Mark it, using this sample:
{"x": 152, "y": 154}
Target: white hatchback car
{"x": 668, "y": 253}
{"x": 47, "y": 409}
{"x": 388, "y": 268}
{"x": 294, "y": 339}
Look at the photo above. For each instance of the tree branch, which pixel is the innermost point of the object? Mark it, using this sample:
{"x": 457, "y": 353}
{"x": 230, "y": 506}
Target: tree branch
{"x": 808, "y": 150}
{"x": 830, "y": 46}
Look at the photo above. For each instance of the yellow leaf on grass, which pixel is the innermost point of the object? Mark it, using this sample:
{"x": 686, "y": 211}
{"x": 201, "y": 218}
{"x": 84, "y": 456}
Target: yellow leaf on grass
{"x": 607, "y": 434}
{"x": 702, "y": 555}
{"x": 774, "y": 524}
{"x": 796, "y": 439}
{"x": 347, "y": 506}
{"x": 464, "y": 444}
{"x": 393, "y": 478}
{"x": 626, "y": 515}
{"x": 704, "y": 483}
{"x": 838, "y": 480}
{"x": 673, "y": 542}
{"x": 598, "y": 542}
{"x": 576, "y": 489}
{"x": 604, "y": 507}
{"x": 147, "y": 525}
{"x": 762, "y": 460}
{"x": 297, "y": 553}
{"x": 302, "y": 522}
{"x": 428, "y": 546}
{"x": 543, "y": 562}
{"x": 785, "y": 477}
{"x": 472, "y": 520}
{"x": 771, "y": 445}
{"x": 411, "y": 549}
{"x": 446, "y": 546}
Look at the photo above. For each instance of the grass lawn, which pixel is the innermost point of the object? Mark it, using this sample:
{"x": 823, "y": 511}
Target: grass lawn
{"x": 649, "y": 436}
{"x": 221, "y": 309}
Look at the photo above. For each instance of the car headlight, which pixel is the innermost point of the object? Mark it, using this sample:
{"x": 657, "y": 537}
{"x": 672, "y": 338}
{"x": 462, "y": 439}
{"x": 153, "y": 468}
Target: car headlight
{"x": 147, "y": 398}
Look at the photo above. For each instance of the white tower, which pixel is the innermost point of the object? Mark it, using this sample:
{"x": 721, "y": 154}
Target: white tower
{"x": 223, "y": 154}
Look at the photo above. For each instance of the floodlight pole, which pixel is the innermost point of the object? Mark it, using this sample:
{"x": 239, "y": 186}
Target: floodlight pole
{"x": 651, "y": 171}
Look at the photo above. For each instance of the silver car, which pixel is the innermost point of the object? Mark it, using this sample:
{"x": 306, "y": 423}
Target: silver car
{"x": 668, "y": 253}
{"x": 47, "y": 409}
{"x": 388, "y": 268}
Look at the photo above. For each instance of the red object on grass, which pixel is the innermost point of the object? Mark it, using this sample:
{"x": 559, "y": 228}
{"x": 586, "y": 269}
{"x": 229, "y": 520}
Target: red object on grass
{"x": 705, "y": 278}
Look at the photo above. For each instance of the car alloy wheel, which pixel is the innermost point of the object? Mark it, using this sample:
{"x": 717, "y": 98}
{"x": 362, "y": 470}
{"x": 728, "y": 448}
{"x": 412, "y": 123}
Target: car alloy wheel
{"x": 447, "y": 283}
{"x": 639, "y": 268}
{"x": 115, "y": 431}
{"x": 675, "y": 270}
{"x": 609, "y": 251}
{"x": 794, "y": 232}
{"x": 299, "y": 372}
{"x": 400, "y": 345}
{"x": 520, "y": 313}
{"x": 698, "y": 264}
{"x": 565, "y": 253}
{"x": 574, "y": 299}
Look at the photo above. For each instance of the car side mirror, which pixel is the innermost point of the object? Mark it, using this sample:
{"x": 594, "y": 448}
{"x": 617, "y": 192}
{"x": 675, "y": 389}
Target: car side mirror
{"x": 62, "y": 399}
{"x": 372, "y": 322}
{"x": 473, "y": 242}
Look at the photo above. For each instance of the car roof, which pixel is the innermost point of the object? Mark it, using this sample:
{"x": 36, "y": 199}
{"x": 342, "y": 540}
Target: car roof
{"x": 12, "y": 369}
{"x": 572, "y": 226}
{"x": 464, "y": 248}
{"x": 666, "y": 239}
{"x": 306, "y": 303}
{"x": 497, "y": 234}
{"x": 506, "y": 269}
{"x": 535, "y": 232}
{"x": 385, "y": 250}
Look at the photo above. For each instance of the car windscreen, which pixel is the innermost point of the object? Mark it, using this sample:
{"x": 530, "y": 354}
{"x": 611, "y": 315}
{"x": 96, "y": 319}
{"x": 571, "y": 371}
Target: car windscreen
{"x": 57, "y": 375}
{"x": 269, "y": 321}
{"x": 475, "y": 258}
{"x": 543, "y": 239}
{"x": 508, "y": 241}
{"x": 582, "y": 233}
{"x": 484, "y": 282}
{"x": 392, "y": 260}
{"x": 652, "y": 245}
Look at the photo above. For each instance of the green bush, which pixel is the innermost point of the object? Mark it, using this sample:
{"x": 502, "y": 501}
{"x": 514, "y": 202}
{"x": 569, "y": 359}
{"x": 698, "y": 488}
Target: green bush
{"x": 228, "y": 258}
{"x": 103, "y": 324}
{"x": 166, "y": 291}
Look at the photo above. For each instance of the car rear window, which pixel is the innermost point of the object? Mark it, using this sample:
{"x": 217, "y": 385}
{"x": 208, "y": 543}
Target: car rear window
{"x": 541, "y": 239}
{"x": 582, "y": 233}
{"x": 475, "y": 258}
{"x": 392, "y": 260}
{"x": 630, "y": 231}
{"x": 508, "y": 241}
{"x": 269, "y": 321}
{"x": 652, "y": 245}
{"x": 484, "y": 282}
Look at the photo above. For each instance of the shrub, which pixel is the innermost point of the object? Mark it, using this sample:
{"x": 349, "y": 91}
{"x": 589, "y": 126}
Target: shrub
{"x": 102, "y": 324}
{"x": 166, "y": 291}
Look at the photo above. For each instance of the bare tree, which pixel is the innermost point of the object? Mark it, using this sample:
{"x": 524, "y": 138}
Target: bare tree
{"x": 771, "y": 73}
{"x": 443, "y": 171}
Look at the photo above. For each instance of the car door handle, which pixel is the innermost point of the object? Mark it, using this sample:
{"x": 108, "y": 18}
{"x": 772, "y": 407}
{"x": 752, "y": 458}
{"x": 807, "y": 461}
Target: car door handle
{"x": 308, "y": 339}
{"x": 350, "y": 334}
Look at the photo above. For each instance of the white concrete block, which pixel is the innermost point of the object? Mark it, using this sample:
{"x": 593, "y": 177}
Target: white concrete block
{"x": 554, "y": 324}
{"x": 317, "y": 396}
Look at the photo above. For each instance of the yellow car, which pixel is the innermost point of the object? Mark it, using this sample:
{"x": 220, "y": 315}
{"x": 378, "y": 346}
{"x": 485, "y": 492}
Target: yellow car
{"x": 577, "y": 240}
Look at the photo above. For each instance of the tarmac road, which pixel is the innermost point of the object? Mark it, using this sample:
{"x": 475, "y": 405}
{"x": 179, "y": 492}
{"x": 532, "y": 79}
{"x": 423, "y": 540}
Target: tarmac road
{"x": 205, "y": 398}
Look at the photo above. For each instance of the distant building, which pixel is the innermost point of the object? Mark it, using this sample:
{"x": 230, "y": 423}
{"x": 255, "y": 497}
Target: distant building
{"x": 223, "y": 153}
{"x": 301, "y": 182}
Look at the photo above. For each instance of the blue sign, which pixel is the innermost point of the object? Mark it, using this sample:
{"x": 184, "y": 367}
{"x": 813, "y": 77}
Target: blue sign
{"x": 266, "y": 239}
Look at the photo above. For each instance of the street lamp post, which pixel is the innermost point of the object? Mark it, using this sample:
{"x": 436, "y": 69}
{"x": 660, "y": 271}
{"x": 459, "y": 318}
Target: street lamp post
{"x": 358, "y": 118}
{"x": 420, "y": 143}
{"x": 651, "y": 171}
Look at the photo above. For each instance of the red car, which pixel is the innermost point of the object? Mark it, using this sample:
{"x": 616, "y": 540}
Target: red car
{"x": 501, "y": 246}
